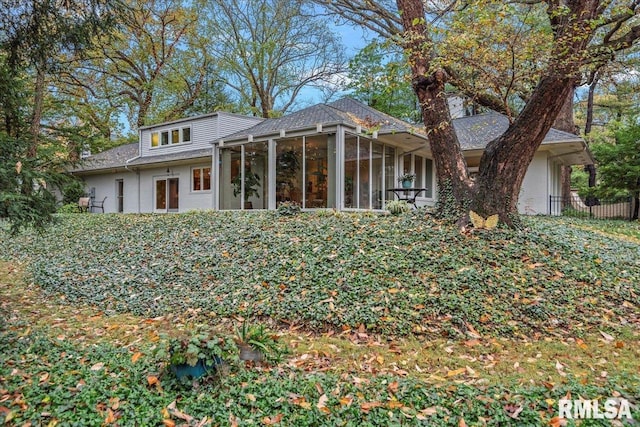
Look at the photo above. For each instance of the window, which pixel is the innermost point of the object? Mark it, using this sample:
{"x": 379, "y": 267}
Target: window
{"x": 423, "y": 168}
{"x": 201, "y": 179}
{"x": 171, "y": 137}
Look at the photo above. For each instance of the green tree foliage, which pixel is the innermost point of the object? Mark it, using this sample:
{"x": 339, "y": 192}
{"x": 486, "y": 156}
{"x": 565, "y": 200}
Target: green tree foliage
{"x": 619, "y": 163}
{"x": 35, "y": 40}
{"x": 154, "y": 68}
{"x": 576, "y": 37}
{"x": 379, "y": 77}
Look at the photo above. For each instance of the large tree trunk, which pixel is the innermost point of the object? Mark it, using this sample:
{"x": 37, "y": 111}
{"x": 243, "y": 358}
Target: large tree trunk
{"x": 454, "y": 184}
{"x": 506, "y": 159}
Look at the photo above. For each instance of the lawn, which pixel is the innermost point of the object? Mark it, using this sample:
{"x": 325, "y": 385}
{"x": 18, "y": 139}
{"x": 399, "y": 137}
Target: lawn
{"x": 389, "y": 320}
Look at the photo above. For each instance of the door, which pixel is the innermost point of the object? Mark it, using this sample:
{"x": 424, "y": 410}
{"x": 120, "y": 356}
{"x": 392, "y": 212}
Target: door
{"x": 167, "y": 195}
{"x": 120, "y": 195}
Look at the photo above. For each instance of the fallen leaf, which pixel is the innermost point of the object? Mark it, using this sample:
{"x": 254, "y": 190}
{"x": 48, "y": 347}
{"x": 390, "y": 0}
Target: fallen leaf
{"x": 346, "y": 401}
{"x": 456, "y": 372}
{"x": 322, "y": 404}
{"x": 462, "y": 423}
{"x": 272, "y": 420}
{"x": 151, "y": 380}
{"x": 97, "y": 366}
{"x": 606, "y": 336}
{"x": 136, "y": 356}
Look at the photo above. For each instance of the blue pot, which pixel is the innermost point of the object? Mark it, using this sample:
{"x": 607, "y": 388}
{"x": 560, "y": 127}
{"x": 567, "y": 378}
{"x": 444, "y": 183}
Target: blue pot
{"x": 406, "y": 184}
{"x": 199, "y": 370}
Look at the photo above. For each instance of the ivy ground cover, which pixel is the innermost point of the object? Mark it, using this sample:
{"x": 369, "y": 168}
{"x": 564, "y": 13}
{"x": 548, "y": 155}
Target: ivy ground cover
{"x": 393, "y": 275}
{"x": 408, "y": 323}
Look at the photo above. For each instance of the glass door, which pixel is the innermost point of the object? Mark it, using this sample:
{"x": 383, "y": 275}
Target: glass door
{"x": 167, "y": 195}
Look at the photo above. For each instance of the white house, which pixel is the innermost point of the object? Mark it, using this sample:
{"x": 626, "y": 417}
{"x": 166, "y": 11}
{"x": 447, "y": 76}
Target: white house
{"x": 342, "y": 155}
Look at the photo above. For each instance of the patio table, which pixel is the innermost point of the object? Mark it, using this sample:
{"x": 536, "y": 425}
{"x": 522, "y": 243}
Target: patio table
{"x": 408, "y": 194}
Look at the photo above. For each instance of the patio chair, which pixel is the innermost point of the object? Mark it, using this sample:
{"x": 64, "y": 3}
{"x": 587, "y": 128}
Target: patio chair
{"x": 98, "y": 205}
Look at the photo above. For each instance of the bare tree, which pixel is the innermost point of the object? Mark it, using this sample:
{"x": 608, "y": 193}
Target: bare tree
{"x": 270, "y": 50}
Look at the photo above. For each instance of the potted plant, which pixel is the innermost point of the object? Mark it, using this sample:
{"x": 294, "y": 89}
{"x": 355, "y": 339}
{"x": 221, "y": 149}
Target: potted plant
{"x": 196, "y": 353}
{"x": 257, "y": 344}
{"x": 407, "y": 179}
{"x": 251, "y": 185}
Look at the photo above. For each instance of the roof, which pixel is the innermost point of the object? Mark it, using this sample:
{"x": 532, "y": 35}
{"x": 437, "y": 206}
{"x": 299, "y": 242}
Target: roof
{"x": 171, "y": 157}
{"x": 475, "y": 132}
{"x": 346, "y": 111}
{"x": 113, "y": 158}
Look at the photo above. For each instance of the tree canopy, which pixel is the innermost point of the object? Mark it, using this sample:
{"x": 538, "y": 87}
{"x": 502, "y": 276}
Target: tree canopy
{"x": 580, "y": 35}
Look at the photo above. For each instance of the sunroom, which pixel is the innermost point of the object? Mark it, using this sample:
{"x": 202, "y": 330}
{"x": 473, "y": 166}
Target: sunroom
{"x": 342, "y": 155}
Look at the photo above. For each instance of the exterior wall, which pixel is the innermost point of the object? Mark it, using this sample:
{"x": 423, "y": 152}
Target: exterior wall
{"x": 204, "y": 130}
{"x": 105, "y": 186}
{"x": 187, "y": 199}
{"x": 534, "y": 194}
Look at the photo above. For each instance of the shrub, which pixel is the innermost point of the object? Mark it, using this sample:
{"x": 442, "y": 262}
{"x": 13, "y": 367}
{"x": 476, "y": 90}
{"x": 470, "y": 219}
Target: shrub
{"x": 69, "y": 208}
{"x": 288, "y": 208}
{"x": 72, "y": 192}
{"x": 397, "y": 207}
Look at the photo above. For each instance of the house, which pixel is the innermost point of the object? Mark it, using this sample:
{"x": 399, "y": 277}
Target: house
{"x": 342, "y": 155}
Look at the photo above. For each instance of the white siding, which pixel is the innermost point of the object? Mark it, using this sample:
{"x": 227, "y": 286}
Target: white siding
{"x": 187, "y": 200}
{"x": 534, "y": 194}
{"x": 105, "y": 186}
{"x": 204, "y": 130}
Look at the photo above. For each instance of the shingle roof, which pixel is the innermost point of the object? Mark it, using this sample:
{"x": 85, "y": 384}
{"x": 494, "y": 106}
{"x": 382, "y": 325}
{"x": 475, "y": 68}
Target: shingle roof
{"x": 346, "y": 111}
{"x": 181, "y": 155}
{"x": 113, "y": 158}
{"x": 475, "y": 132}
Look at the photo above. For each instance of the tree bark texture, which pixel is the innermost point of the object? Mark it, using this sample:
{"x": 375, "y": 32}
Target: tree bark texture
{"x": 429, "y": 85}
{"x": 506, "y": 159}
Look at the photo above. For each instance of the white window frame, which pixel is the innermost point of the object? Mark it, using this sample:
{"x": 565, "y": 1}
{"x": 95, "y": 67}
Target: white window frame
{"x": 170, "y": 142}
{"x": 202, "y": 190}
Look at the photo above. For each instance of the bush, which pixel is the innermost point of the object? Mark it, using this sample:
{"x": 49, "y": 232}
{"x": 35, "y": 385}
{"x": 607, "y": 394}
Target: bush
{"x": 69, "y": 208}
{"x": 288, "y": 209}
{"x": 397, "y": 207}
{"x": 72, "y": 191}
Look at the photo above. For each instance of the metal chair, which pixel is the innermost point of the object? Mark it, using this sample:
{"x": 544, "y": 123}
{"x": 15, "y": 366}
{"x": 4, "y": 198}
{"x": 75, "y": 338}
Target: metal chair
{"x": 98, "y": 205}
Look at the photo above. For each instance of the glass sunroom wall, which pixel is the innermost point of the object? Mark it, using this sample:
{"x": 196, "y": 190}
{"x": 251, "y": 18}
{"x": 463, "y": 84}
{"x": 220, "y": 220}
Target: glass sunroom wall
{"x": 364, "y": 165}
{"x": 418, "y": 170}
{"x": 317, "y": 180}
{"x": 289, "y": 162}
{"x": 351, "y": 171}
{"x": 229, "y": 184}
{"x": 389, "y": 171}
{"x": 256, "y": 171}
{"x": 428, "y": 178}
{"x": 377, "y": 174}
